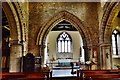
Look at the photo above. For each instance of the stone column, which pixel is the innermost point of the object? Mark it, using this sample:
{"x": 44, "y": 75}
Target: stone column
{"x": 94, "y": 56}
{"x": 15, "y": 54}
{"x": 91, "y": 54}
{"x": 42, "y": 47}
{"x": 87, "y": 53}
{"x": 105, "y": 56}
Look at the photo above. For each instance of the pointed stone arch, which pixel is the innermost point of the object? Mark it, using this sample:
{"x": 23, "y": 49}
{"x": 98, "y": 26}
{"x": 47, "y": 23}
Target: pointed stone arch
{"x": 15, "y": 35}
{"x": 75, "y": 21}
{"x": 13, "y": 21}
{"x": 63, "y": 15}
{"x": 110, "y": 11}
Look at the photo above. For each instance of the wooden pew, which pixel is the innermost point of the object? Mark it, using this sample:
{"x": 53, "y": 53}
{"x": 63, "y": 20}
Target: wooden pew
{"x": 38, "y": 76}
{"x": 34, "y": 76}
{"x": 101, "y": 76}
{"x": 26, "y": 76}
{"x": 5, "y": 75}
{"x": 98, "y": 74}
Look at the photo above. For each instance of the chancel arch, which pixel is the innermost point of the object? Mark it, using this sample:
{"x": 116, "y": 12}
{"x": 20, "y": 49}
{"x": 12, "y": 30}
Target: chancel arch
{"x": 61, "y": 16}
{"x": 64, "y": 43}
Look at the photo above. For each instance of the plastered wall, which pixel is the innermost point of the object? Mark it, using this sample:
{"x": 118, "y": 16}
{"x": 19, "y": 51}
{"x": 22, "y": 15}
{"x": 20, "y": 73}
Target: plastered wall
{"x": 52, "y": 38}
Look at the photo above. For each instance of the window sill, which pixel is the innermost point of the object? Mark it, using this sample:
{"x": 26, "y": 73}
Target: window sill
{"x": 115, "y": 56}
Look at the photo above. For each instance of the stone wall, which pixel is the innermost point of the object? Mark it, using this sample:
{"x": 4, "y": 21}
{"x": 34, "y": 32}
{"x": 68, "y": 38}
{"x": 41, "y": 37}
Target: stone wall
{"x": 40, "y": 13}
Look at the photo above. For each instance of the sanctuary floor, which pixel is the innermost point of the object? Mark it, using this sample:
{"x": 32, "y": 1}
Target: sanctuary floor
{"x": 63, "y": 72}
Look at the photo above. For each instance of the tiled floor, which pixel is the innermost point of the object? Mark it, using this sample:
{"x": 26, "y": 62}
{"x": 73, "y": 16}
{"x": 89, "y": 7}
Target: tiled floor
{"x": 63, "y": 72}
{"x": 63, "y": 75}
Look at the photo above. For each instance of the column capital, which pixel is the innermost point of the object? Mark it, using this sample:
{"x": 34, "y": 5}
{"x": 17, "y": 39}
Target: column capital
{"x": 14, "y": 42}
{"x": 42, "y": 46}
{"x": 105, "y": 44}
{"x": 85, "y": 47}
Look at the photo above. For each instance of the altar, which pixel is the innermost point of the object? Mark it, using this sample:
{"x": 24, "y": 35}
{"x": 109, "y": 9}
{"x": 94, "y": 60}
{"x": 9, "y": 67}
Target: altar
{"x": 63, "y": 62}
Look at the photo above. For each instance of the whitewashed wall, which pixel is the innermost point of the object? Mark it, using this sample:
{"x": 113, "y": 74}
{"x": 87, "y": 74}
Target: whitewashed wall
{"x": 52, "y": 38}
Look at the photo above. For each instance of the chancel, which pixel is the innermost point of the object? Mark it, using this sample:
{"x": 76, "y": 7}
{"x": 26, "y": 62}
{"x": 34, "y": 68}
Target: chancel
{"x": 60, "y": 40}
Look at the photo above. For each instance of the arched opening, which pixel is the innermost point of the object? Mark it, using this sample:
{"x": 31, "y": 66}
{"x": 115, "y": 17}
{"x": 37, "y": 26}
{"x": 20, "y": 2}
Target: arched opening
{"x": 61, "y": 44}
{"x": 14, "y": 31}
{"x": 115, "y": 38}
{"x": 64, "y": 45}
{"x": 64, "y": 16}
{"x": 108, "y": 25}
{"x": 5, "y": 43}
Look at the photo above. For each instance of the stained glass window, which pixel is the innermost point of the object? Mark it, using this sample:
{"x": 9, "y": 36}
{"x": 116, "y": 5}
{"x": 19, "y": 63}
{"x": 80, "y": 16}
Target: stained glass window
{"x": 64, "y": 42}
{"x": 116, "y": 42}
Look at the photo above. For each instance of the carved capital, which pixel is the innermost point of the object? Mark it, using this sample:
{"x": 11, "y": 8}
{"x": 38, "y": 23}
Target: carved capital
{"x": 105, "y": 44}
{"x": 13, "y": 42}
{"x": 42, "y": 46}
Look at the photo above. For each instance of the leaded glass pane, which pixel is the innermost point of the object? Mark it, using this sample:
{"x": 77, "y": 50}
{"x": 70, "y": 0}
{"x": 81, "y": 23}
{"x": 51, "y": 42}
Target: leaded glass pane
{"x": 66, "y": 46}
{"x": 69, "y": 48}
{"x": 62, "y": 46}
{"x": 64, "y": 42}
{"x": 59, "y": 46}
{"x": 116, "y": 42}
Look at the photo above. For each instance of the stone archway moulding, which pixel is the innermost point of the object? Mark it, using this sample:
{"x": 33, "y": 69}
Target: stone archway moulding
{"x": 63, "y": 15}
{"x": 13, "y": 21}
{"x": 108, "y": 16}
{"x": 110, "y": 11}
{"x": 15, "y": 35}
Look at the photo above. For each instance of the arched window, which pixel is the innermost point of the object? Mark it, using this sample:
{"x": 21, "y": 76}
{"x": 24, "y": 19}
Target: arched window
{"x": 116, "y": 42}
{"x": 64, "y": 43}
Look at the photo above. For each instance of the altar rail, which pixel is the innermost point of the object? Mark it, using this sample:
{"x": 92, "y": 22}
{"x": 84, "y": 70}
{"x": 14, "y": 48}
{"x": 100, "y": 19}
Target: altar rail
{"x": 98, "y": 74}
{"x": 26, "y": 76}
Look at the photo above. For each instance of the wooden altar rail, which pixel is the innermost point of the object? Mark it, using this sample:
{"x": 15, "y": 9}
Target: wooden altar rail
{"x": 98, "y": 74}
{"x": 26, "y": 76}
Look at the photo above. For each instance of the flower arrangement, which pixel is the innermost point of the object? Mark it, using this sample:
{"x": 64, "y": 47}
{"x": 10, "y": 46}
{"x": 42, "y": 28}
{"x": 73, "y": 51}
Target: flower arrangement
{"x": 117, "y": 65}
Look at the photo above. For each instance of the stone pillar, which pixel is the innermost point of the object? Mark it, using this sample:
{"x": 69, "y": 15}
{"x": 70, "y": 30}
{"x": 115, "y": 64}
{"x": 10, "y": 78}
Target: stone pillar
{"x": 91, "y": 54}
{"x": 94, "y": 56}
{"x": 87, "y": 53}
{"x": 15, "y": 54}
{"x": 105, "y": 56}
{"x": 42, "y": 47}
